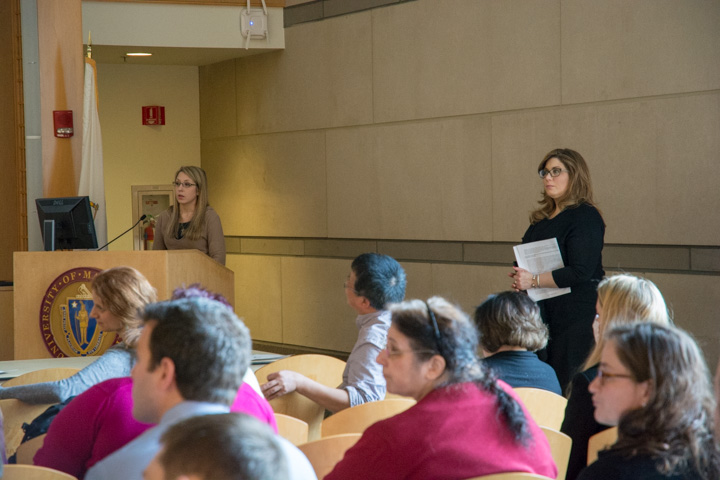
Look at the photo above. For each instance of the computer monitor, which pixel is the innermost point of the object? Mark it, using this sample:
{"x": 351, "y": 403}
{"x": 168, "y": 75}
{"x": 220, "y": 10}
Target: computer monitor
{"x": 66, "y": 223}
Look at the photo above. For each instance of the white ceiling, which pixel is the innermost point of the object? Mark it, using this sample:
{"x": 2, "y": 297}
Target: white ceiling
{"x": 175, "y": 34}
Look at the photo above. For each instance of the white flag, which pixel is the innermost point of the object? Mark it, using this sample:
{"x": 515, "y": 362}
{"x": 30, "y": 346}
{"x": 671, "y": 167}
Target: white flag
{"x": 92, "y": 183}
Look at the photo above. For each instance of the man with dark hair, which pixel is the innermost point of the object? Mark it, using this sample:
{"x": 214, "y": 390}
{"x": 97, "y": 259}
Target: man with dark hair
{"x": 374, "y": 282}
{"x": 191, "y": 358}
{"x": 230, "y": 446}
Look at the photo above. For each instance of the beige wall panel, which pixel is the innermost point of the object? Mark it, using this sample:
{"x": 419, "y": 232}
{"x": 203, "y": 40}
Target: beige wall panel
{"x": 434, "y": 58}
{"x": 619, "y": 49}
{"x": 423, "y": 180}
{"x": 688, "y": 168}
{"x": 269, "y": 185}
{"x": 258, "y": 294}
{"x": 137, "y": 154}
{"x": 419, "y": 278}
{"x": 322, "y": 79}
{"x": 647, "y": 194}
{"x": 469, "y": 285}
{"x": 694, "y": 300}
{"x": 218, "y": 115}
{"x": 519, "y": 143}
{"x": 315, "y": 310}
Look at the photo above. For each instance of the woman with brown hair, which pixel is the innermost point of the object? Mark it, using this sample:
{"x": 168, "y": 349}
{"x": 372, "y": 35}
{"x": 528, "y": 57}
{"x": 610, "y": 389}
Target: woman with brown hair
{"x": 510, "y": 331}
{"x": 567, "y": 213}
{"x": 622, "y": 300}
{"x": 191, "y": 223}
{"x": 653, "y": 384}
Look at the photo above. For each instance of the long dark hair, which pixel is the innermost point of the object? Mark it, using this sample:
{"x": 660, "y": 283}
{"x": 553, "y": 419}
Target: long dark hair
{"x": 675, "y": 427}
{"x": 455, "y": 339}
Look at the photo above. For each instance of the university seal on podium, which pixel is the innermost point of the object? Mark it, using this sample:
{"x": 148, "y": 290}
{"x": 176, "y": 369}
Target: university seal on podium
{"x": 66, "y": 326}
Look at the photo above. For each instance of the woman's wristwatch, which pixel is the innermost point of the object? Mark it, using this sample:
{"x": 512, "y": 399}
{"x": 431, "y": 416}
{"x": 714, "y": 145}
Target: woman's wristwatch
{"x": 535, "y": 281}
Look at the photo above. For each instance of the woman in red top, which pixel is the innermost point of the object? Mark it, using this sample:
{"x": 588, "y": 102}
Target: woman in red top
{"x": 465, "y": 423}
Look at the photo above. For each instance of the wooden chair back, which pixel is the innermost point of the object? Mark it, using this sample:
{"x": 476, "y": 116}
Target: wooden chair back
{"x": 321, "y": 368}
{"x": 15, "y": 412}
{"x": 560, "y": 445}
{"x": 325, "y": 453}
{"x": 600, "y": 441}
{"x": 32, "y": 472}
{"x": 545, "y": 407}
{"x": 26, "y": 451}
{"x": 511, "y": 476}
{"x": 292, "y": 429}
{"x": 357, "y": 419}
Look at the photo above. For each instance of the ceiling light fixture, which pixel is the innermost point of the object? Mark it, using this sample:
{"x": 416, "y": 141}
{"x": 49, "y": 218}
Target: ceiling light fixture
{"x": 138, "y": 54}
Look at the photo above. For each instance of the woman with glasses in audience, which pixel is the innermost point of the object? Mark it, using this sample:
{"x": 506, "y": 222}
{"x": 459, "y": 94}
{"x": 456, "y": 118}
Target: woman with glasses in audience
{"x": 118, "y": 293}
{"x": 191, "y": 223}
{"x": 465, "y": 423}
{"x": 653, "y": 384}
{"x": 622, "y": 299}
{"x": 567, "y": 213}
{"x": 510, "y": 332}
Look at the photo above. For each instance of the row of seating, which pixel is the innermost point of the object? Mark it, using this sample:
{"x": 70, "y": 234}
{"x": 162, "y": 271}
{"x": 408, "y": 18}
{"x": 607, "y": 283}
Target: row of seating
{"x": 301, "y": 421}
{"x": 328, "y": 439}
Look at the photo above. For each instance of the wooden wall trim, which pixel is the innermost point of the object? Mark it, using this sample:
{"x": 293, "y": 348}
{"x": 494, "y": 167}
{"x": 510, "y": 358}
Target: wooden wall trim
{"x": 20, "y": 168}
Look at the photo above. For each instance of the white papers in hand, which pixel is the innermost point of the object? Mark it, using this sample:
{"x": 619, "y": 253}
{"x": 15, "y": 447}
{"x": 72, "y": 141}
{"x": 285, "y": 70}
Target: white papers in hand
{"x": 540, "y": 257}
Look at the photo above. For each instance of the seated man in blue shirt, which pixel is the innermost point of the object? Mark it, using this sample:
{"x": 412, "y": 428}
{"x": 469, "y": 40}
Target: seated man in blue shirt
{"x": 191, "y": 358}
{"x": 374, "y": 281}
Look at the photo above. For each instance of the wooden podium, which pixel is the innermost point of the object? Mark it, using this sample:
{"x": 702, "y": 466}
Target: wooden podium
{"x": 166, "y": 270}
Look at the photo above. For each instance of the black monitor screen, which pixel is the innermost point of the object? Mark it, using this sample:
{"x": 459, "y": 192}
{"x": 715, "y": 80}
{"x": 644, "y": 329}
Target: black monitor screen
{"x": 66, "y": 223}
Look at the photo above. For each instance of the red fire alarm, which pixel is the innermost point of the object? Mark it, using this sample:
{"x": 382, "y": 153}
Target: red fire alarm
{"x": 153, "y": 115}
{"x": 63, "y": 123}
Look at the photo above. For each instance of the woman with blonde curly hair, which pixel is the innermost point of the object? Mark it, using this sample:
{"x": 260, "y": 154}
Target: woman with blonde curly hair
{"x": 119, "y": 294}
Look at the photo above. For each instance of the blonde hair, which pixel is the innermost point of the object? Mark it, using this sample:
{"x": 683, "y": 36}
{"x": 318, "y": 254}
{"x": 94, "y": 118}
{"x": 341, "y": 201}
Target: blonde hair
{"x": 627, "y": 299}
{"x": 579, "y": 189}
{"x": 194, "y": 230}
{"x": 124, "y": 292}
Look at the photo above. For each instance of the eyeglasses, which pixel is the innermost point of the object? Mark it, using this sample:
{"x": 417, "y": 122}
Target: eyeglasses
{"x": 603, "y": 375}
{"x": 554, "y": 172}
{"x": 396, "y": 352}
{"x": 183, "y": 184}
{"x": 346, "y": 286}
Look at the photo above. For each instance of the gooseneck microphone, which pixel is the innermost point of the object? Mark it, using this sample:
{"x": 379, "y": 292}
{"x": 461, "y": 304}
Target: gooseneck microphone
{"x": 126, "y": 231}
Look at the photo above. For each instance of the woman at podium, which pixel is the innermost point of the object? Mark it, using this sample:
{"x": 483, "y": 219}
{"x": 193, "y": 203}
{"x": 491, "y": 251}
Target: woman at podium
{"x": 118, "y": 294}
{"x": 191, "y": 223}
{"x": 567, "y": 213}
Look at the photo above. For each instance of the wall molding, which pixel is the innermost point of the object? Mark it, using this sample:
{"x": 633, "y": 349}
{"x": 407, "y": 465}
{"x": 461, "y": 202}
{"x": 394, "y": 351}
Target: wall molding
{"x": 685, "y": 259}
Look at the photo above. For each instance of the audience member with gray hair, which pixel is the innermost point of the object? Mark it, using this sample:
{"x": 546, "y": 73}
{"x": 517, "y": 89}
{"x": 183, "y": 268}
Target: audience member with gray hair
{"x": 192, "y": 355}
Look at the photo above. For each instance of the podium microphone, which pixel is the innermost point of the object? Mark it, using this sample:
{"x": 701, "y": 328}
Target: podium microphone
{"x": 126, "y": 231}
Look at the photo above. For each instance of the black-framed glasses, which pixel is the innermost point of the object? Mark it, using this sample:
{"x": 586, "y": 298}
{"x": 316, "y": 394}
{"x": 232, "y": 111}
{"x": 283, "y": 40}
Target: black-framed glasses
{"x": 184, "y": 184}
{"x": 554, "y": 172}
{"x": 603, "y": 375}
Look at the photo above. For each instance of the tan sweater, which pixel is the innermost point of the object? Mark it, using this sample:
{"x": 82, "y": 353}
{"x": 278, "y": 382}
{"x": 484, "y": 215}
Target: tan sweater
{"x": 211, "y": 241}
